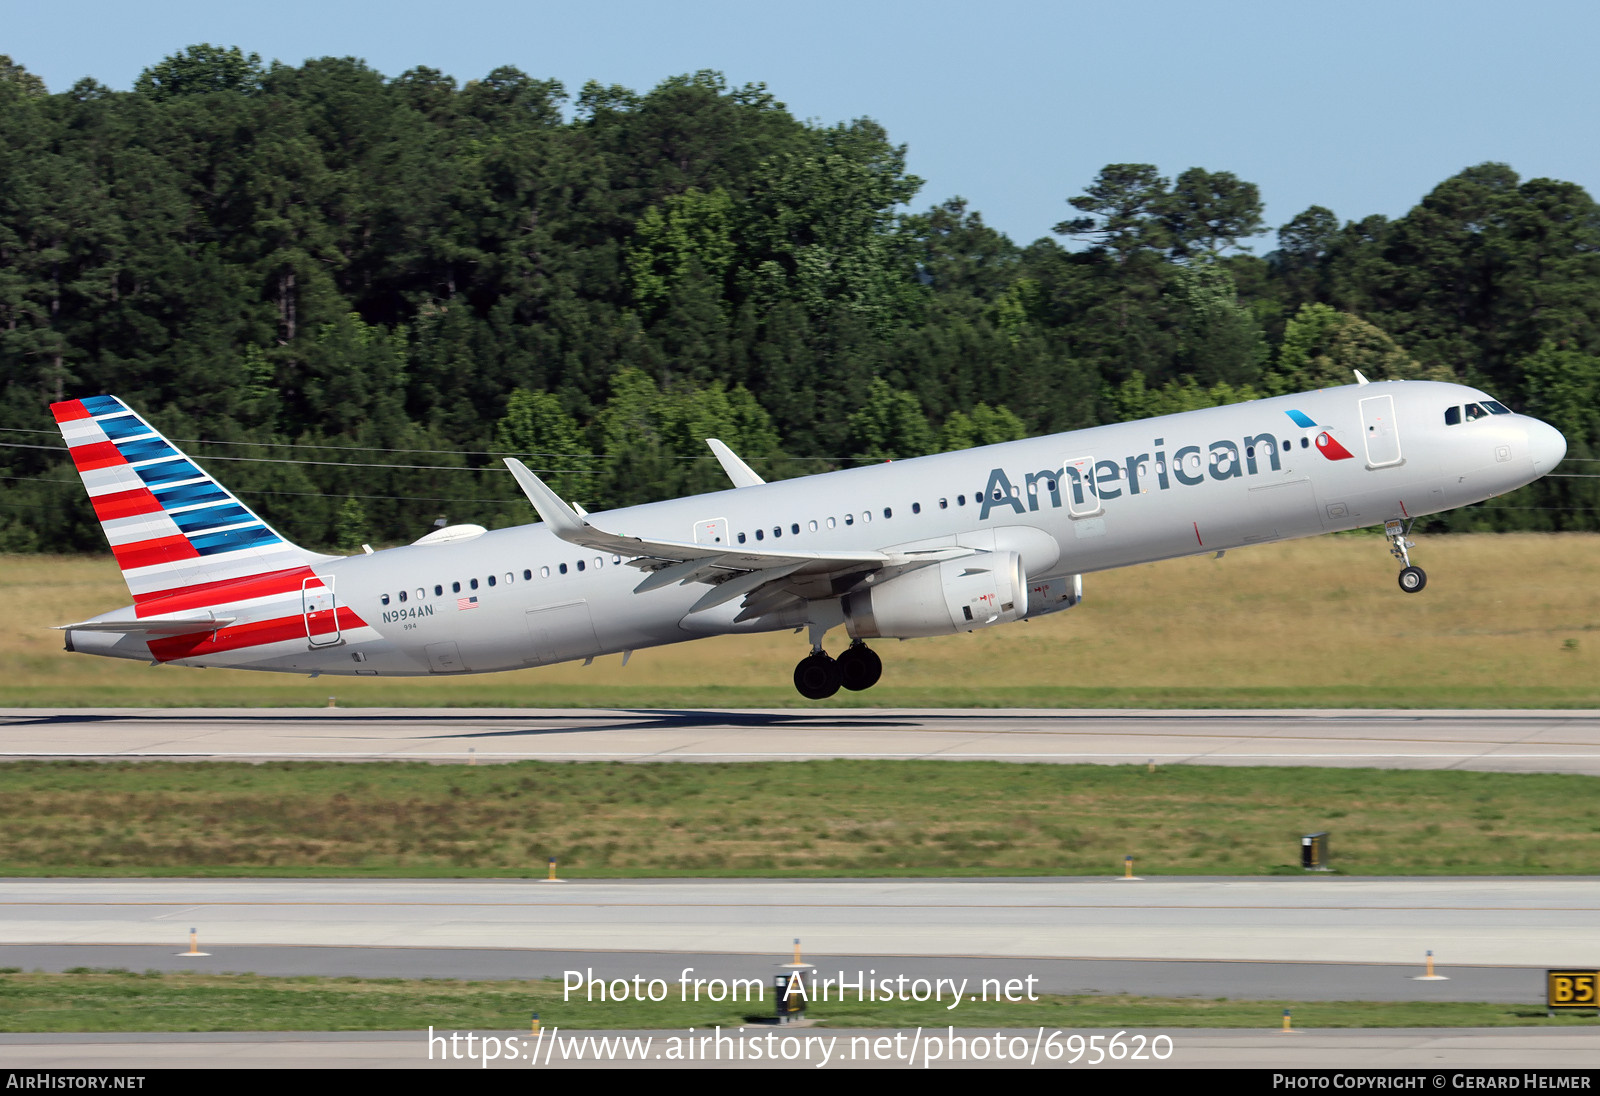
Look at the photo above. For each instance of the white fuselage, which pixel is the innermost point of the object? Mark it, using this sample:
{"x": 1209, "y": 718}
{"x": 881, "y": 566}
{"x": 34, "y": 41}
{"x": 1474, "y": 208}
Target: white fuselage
{"x": 1068, "y": 504}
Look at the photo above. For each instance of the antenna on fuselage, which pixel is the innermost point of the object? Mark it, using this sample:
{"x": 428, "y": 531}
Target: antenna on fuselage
{"x": 1360, "y": 379}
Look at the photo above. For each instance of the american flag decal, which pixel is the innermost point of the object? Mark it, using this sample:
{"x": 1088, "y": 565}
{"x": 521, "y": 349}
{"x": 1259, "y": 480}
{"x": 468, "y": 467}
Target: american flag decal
{"x": 466, "y": 603}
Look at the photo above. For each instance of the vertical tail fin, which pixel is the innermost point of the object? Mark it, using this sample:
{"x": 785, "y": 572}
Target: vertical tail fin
{"x": 171, "y": 526}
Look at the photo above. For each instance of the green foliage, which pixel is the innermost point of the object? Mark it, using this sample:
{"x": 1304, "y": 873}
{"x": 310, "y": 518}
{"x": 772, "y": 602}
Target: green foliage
{"x": 1323, "y": 347}
{"x": 1133, "y": 399}
{"x": 890, "y": 425}
{"x": 984, "y": 426}
{"x": 398, "y": 271}
{"x": 538, "y": 430}
{"x": 351, "y": 530}
{"x": 200, "y": 70}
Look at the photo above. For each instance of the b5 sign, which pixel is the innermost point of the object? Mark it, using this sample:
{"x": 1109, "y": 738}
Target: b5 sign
{"x": 1572, "y": 989}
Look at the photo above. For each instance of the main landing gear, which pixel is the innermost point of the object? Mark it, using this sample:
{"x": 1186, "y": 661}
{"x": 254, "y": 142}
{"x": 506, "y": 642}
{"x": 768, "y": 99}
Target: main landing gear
{"x": 818, "y": 676}
{"x": 1412, "y": 579}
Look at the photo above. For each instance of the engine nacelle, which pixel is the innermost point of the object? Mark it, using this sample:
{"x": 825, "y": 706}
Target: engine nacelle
{"x": 958, "y": 595}
{"x": 1051, "y": 595}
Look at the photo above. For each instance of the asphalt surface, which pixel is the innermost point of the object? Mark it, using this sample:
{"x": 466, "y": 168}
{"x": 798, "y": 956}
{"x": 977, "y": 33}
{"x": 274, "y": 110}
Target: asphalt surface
{"x": 1502, "y": 741}
{"x": 1519, "y": 922}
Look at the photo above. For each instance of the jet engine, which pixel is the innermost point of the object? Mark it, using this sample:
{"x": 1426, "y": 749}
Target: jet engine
{"x": 958, "y": 595}
{"x": 1051, "y": 595}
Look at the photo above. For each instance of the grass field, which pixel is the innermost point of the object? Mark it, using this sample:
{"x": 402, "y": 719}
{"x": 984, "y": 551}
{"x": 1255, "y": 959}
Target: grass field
{"x": 1506, "y": 621}
{"x": 786, "y": 819}
{"x": 102, "y": 1000}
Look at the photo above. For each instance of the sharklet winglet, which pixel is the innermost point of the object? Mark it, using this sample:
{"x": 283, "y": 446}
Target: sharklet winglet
{"x": 738, "y": 471}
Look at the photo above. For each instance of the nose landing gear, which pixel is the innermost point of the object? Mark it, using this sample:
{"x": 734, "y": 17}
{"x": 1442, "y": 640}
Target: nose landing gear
{"x": 1412, "y": 579}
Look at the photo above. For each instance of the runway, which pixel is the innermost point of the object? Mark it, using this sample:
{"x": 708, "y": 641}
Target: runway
{"x": 1524, "y": 922}
{"x": 1501, "y": 741}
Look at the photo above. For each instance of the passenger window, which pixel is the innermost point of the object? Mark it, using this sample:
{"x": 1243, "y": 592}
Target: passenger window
{"x": 438, "y": 591}
{"x": 402, "y": 595}
{"x": 1305, "y": 443}
{"x": 916, "y": 507}
{"x": 961, "y": 500}
{"x": 491, "y": 580}
{"x": 777, "y": 530}
{"x": 580, "y": 565}
{"x": 812, "y": 525}
{"x": 1474, "y": 413}
{"x": 794, "y": 527}
{"x": 455, "y": 587}
{"x": 527, "y": 574}
{"x": 422, "y": 594}
{"x": 944, "y": 504}
{"x": 849, "y": 519}
{"x": 510, "y": 578}
{"x": 760, "y": 535}
{"x": 544, "y": 572}
{"x": 599, "y": 561}
{"x": 866, "y": 515}
{"x": 832, "y": 524}
{"x": 888, "y": 512}
{"x": 1250, "y": 451}
{"x": 617, "y": 560}
{"x": 384, "y": 600}
{"x": 741, "y": 538}
{"x": 1285, "y": 446}
{"x": 563, "y": 568}
{"x": 1452, "y": 416}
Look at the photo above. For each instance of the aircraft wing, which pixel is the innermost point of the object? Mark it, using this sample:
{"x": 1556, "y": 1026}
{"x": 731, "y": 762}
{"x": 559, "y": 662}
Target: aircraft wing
{"x": 733, "y": 571}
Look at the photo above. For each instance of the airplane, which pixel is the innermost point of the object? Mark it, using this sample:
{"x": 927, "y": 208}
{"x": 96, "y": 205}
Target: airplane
{"x": 933, "y": 545}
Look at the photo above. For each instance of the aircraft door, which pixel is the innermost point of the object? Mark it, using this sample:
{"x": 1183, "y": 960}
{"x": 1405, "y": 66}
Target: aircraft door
{"x": 711, "y": 531}
{"x": 1083, "y": 497}
{"x": 321, "y": 611}
{"x": 1381, "y": 432}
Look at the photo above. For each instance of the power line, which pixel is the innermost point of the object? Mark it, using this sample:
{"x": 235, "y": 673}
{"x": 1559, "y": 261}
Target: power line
{"x": 438, "y": 452}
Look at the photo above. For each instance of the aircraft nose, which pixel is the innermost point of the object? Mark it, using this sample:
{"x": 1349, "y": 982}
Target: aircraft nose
{"x": 1545, "y": 445}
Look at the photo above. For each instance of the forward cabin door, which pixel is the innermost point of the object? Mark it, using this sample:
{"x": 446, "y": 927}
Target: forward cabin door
{"x": 1381, "y": 432}
{"x": 321, "y": 611}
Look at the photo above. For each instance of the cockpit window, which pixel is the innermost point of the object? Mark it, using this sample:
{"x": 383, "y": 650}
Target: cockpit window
{"x": 1474, "y": 412}
{"x": 1496, "y": 407}
{"x": 1452, "y": 416}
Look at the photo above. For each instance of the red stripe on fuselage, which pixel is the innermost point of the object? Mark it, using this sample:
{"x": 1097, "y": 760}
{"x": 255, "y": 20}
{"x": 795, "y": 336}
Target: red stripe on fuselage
{"x": 147, "y": 553}
{"x": 96, "y": 454}
{"x": 206, "y": 595}
{"x": 70, "y": 410}
{"x": 254, "y": 634}
{"x": 125, "y": 504}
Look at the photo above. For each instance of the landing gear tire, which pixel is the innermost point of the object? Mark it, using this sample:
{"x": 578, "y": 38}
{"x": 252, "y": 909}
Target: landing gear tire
{"x": 861, "y": 667}
{"x": 1413, "y": 579}
{"x": 818, "y": 677}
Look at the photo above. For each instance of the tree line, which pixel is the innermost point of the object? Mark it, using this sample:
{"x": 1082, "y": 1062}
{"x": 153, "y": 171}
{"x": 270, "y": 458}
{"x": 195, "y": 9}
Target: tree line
{"x": 349, "y": 294}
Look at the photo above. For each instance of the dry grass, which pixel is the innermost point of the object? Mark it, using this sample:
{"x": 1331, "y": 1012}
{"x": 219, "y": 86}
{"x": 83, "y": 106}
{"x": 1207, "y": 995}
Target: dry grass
{"x": 1506, "y": 620}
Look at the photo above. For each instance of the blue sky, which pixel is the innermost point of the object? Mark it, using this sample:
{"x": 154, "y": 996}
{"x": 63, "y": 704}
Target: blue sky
{"x": 1358, "y": 106}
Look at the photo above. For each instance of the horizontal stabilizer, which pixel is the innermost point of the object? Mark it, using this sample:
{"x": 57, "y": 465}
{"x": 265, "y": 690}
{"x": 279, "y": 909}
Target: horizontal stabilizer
{"x": 152, "y": 626}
